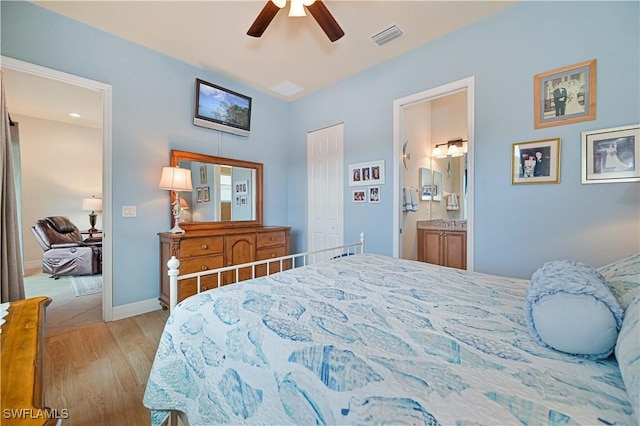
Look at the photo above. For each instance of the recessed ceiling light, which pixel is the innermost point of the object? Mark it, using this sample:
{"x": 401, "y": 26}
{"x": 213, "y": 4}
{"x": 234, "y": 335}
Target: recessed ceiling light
{"x": 75, "y": 115}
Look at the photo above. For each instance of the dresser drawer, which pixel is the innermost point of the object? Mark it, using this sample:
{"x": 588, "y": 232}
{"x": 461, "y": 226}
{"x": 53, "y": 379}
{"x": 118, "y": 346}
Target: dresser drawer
{"x": 188, "y": 287}
{"x": 270, "y": 253}
{"x": 201, "y": 246}
{"x": 188, "y": 266}
{"x": 268, "y": 239}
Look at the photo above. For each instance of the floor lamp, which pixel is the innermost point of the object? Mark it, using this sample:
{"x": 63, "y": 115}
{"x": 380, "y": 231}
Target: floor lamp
{"x": 177, "y": 180}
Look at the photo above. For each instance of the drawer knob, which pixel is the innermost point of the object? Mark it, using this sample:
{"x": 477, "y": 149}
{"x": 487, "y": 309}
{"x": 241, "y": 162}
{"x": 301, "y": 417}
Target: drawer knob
{"x": 271, "y": 238}
{"x": 204, "y": 267}
{"x": 204, "y": 288}
{"x": 229, "y": 263}
{"x": 273, "y": 255}
{"x": 204, "y": 247}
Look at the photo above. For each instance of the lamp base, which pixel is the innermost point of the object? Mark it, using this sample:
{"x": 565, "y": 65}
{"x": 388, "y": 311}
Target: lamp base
{"x": 176, "y": 216}
{"x": 92, "y": 221}
{"x": 177, "y": 230}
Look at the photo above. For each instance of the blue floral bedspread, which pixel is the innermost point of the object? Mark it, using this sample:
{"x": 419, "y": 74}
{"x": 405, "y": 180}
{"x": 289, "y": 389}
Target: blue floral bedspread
{"x": 368, "y": 339}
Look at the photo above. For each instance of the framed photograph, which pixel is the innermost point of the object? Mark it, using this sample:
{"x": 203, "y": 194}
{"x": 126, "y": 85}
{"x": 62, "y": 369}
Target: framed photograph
{"x": 205, "y": 194}
{"x": 199, "y": 195}
{"x": 366, "y": 173}
{"x": 374, "y": 194}
{"x": 359, "y": 196}
{"x": 536, "y": 162}
{"x": 565, "y": 95}
{"x": 203, "y": 173}
{"x": 611, "y": 155}
{"x": 241, "y": 187}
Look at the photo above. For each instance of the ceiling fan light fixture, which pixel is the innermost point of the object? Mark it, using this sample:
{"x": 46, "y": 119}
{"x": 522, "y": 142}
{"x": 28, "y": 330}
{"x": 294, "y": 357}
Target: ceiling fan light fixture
{"x": 279, "y": 3}
{"x": 296, "y": 8}
{"x": 308, "y": 2}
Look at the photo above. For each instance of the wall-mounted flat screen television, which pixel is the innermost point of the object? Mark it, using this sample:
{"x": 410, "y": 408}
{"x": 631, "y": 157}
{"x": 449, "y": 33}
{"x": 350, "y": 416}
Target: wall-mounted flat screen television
{"x": 221, "y": 109}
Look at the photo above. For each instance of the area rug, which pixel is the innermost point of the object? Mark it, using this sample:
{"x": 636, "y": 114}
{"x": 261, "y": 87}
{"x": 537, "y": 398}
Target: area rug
{"x": 86, "y": 284}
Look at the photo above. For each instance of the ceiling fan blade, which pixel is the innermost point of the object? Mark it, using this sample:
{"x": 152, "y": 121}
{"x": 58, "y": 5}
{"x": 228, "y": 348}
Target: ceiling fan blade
{"x": 263, "y": 20}
{"x": 326, "y": 21}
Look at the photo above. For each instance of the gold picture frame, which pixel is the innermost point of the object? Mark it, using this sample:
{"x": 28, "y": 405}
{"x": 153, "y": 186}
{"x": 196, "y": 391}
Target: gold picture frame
{"x": 565, "y": 95}
{"x": 535, "y": 162}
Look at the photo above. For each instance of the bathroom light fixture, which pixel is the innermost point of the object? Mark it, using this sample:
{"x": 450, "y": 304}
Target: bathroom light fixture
{"x": 177, "y": 180}
{"x": 455, "y": 148}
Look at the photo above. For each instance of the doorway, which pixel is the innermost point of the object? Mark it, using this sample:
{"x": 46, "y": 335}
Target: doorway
{"x": 325, "y": 195}
{"x": 402, "y": 110}
{"x": 104, "y": 91}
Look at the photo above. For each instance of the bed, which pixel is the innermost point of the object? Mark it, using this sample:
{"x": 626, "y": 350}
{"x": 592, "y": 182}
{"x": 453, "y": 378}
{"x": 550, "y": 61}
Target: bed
{"x": 369, "y": 339}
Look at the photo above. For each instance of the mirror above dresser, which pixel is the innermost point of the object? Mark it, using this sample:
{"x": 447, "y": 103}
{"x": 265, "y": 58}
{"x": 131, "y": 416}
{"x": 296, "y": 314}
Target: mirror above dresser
{"x": 226, "y": 192}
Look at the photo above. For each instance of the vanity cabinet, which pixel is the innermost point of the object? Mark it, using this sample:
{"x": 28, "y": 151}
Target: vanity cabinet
{"x": 202, "y": 250}
{"x": 443, "y": 247}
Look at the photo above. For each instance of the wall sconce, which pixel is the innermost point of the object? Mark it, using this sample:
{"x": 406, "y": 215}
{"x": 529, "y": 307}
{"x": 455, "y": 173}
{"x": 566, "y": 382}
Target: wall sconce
{"x": 177, "y": 180}
{"x": 92, "y": 204}
{"x": 455, "y": 148}
{"x": 405, "y": 156}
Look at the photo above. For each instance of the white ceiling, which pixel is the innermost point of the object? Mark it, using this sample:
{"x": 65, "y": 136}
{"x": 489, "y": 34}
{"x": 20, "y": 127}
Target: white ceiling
{"x": 212, "y": 35}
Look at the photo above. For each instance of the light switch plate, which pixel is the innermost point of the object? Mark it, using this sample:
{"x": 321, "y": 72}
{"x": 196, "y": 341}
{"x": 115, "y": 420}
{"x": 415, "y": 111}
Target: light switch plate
{"x": 128, "y": 211}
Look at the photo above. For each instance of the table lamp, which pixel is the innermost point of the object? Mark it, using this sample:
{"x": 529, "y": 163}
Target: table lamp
{"x": 92, "y": 204}
{"x": 177, "y": 180}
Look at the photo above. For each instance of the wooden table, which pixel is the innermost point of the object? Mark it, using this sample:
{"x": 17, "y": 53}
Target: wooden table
{"x": 22, "y": 365}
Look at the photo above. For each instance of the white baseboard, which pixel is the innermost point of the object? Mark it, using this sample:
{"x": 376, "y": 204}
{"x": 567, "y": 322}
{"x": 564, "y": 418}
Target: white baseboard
{"x": 136, "y": 308}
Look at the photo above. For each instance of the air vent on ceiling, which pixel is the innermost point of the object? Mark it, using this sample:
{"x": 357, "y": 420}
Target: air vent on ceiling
{"x": 386, "y": 35}
{"x": 287, "y": 88}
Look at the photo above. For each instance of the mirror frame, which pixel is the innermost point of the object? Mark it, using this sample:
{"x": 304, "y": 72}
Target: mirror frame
{"x": 177, "y": 156}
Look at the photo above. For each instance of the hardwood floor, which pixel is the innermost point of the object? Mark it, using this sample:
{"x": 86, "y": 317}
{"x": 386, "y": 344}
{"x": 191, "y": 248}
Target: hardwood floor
{"x": 99, "y": 372}
{"x": 96, "y": 370}
{"x": 66, "y": 312}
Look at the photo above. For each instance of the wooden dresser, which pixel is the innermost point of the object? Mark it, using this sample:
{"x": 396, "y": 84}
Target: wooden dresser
{"x": 202, "y": 250}
{"x": 22, "y": 370}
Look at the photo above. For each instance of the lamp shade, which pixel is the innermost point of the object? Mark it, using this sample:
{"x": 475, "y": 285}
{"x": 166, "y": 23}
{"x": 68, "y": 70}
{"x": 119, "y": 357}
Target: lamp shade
{"x": 175, "y": 179}
{"x": 92, "y": 204}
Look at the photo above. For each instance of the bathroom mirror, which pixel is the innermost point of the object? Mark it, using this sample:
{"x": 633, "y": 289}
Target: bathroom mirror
{"x": 430, "y": 184}
{"x": 226, "y": 192}
{"x": 449, "y": 175}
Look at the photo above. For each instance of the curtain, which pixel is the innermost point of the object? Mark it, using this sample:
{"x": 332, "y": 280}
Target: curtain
{"x": 11, "y": 280}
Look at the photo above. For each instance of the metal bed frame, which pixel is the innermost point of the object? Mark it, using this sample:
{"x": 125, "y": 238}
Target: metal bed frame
{"x": 301, "y": 258}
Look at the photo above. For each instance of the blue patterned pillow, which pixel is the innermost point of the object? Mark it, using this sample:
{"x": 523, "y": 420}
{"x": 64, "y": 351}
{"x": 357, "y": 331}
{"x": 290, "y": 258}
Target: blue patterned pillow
{"x": 623, "y": 277}
{"x": 570, "y": 308}
{"x": 628, "y": 354}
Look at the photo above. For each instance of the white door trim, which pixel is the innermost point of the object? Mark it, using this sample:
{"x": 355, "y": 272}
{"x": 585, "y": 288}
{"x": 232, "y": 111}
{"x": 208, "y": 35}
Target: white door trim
{"x": 105, "y": 89}
{"x": 467, "y": 84}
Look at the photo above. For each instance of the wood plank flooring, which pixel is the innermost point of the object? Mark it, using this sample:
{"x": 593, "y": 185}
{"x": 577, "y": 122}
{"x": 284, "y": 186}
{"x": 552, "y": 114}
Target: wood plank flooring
{"x": 96, "y": 370}
{"x": 99, "y": 372}
{"x": 66, "y": 311}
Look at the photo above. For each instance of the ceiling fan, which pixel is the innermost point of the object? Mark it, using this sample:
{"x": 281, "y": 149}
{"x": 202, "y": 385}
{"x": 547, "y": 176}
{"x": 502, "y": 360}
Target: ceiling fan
{"x": 316, "y": 7}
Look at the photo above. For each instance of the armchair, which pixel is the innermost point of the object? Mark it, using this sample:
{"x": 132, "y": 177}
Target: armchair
{"x": 64, "y": 251}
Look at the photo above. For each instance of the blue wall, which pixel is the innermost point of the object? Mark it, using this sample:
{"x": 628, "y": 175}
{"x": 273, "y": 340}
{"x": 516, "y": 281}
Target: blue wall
{"x": 517, "y": 227}
{"x": 152, "y": 107}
